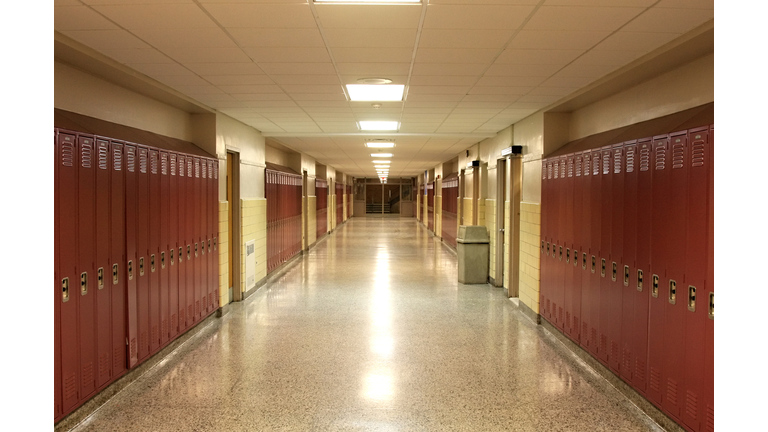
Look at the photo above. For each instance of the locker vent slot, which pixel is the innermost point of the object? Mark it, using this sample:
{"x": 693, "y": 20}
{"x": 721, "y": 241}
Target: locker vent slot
{"x": 678, "y": 154}
{"x": 131, "y": 159}
{"x": 557, "y": 170}
{"x": 691, "y": 298}
{"x": 153, "y": 162}
{"x": 104, "y": 365}
{"x": 143, "y": 161}
{"x": 132, "y": 348}
{"x": 692, "y": 404}
{"x": 67, "y": 154}
{"x": 672, "y": 291}
{"x": 549, "y": 170}
{"x": 103, "y": 155}
{"x": 586, "y": 165}
{"x": 672, "y": 391}
{"x": 615, "y": 351}
{"x": 216, "y": 172}
{"x": 130, "y": 270}
{"x": 86, "y": 154}
{"x": 117, "y": 358}
{"x": 189, "y": 168}
{"x": 711, "y": 305}
{"x": 562, "y": 168}
{"x": 697, "y": 153}
{"x": 617, "y": 161}
{"x": 173, "y": 165}
{"x": 182, "y": 165}
{"x": 606, "y": 162}
{"x": 603, "y": 344}
{"x": 164, "y": 164}
{"x": 640, "y": 370}
{"x": 626, "y": 361}
{"x": 570, "y": 167}
{"x": 645, "y": 157}
{"x": 710, "y": 419}
{"x": 661, "y": 157}
{"x": 596, "y": 164}
{"x": 205, "y": 171}
{"x": 655, "y": 379}
{"x": 579, "y": 167}
{"x": 197, "y": 169}
{"x": 87, "y": 374}
{"x": 117, "y": 159}
{"x": 630, "y": 160}
{"x": 70, "y": 386}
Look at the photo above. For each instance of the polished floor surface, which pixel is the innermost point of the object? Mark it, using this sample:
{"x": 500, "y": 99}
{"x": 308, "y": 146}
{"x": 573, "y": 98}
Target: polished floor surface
{"x": 370, "y": 331}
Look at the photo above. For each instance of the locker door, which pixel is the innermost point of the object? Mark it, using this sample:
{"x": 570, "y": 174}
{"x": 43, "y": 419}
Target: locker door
{"x": 203, "y": 233}
{"x": 594, "y": 256}
{"x": 560, "y": 239}
{"x": 69, "y": 279}
{"x": 568, "y": 242}
{"x": 173, "y": 245}
{"x": 196, "y": 223}
{"x": 181, "y": 247}
{"x": 615, "y": 264}
{"x": 189, "y": 253}
{"x": 56, "y": 296}
{"x": 673, "y": 372}
{"x": 86, "y": 257}
{"x": 694, "y": 289}
{"x": 584, "y": 265}
{"x": 546, "y": 232}
{"x": 643, "y": 274}
{"x": 117, "y": 257}
{"x": 214, "y": 230}
{"x": 142, "y": 252}
{"x": 153, "y": 254}
{"x": 629, "y": 264}
{"x": 163, "y": 258}
{"x": 103, "y": 280}
{"x": 709, "y": 300}
{"x": 131, "y": 253}
{"x": 578, "y": 245}
{"x": 660, "y": 202}
{"x": 605, "y": 327}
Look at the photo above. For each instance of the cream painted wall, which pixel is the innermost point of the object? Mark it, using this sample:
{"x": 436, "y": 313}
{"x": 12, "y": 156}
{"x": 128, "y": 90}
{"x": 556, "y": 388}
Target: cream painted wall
{"x": 243, "y": 139}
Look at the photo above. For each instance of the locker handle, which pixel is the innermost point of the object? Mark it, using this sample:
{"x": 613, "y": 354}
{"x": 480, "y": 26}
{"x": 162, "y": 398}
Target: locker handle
{"x": 196, "y": 244}
{"x": 691, "y": 298}
{"x": 613, "y": 271}
{"x": 626, "y": 275}
{"x": 130, "y": 269}
{"x": 602, "y": 267}
{"x": 584, "y": 261}
{"x": 162, "y": 259}
{"x": 639, "y": 280}
{"x": 672, "y": 291}
{"x": 141, "y": 266}
{"x": 547, "y": 248}
{"x": 152, "y": 263}
{"x": 655, "y": 286}
{"x": 65, "y": 289}
{"x": 542, "y": 247}
{"x": 181, "y": 254}
{"x": 115, "y": 278}
{"x": 575, "y": 258}
{"x": 567, "y": 255}
{"x": 214, "y": 242}
{"x": 83, "y": 283}
{"x": 202, "y": 247}
{"x": 594, "y": 263}
{"x": 100, "y": 275}
{"x": 209, "y": 245}
{"x": 560, "y": 255}
{"x": 171, "y": 252}
{"x": 189, "y": 254}
{"x": 711, "y": 305}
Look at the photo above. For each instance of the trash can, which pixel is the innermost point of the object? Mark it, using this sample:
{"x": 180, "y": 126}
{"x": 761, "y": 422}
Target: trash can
{"x": 473, "y": 250}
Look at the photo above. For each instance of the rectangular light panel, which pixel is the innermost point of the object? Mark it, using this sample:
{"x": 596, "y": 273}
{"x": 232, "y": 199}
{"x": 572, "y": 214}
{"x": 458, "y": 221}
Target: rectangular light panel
{"x": 375, "y": 92}
{"x": 378, "y": 125}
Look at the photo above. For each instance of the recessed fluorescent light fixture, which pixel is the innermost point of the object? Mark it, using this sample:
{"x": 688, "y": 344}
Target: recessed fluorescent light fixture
{"x": 378, "y": 125}
{"x": 377, "y": 144}
{"x": 381, "y": 162}
{"x": 381, "y": 154}
{"x": 367, "y": 1}
{"x": 375, "y": 92}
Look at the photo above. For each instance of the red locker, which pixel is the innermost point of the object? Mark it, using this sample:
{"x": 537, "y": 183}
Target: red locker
{"x": 196, "y": 223}
{"x": 86, "y": 256}
{"x": 568, "y": 243}
{"x": 143, "y": 253}
{"x": 103, "y": 280}
{"x": 57, "y": 412}
{"x": 68, "y": 283}
{"x": 174, "y": 251}
{"x": 117, "y": 258}
{"x": 658, "y": 248}
{"x": 595, "y": 252}
{"x": 673, "y": 372}
{"x": 629, "y": 265}
{"x": 606, "y": 304}
{"x": 132, "y": 253}
{"x": 153, "y": 253}
{"x": 585, "y": 253}
{"x": 558, "y": 239}
{"x": 578, "y": 246}
{"x": 697, "y": 240}
{"x": 202, "y": 230}
{"x": 215, "y": 232}
{"x": 546, "y": 242}
{"x": 709, "y": 350}
{"x": 182, "y": 243}
{"x": 163, "y": 260}
{"x": 643, "y": 274}
{"x": 615, "y": 270}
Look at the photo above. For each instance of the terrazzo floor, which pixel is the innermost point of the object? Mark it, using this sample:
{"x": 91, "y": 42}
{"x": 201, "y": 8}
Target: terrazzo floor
{"x": 370, "y": 331}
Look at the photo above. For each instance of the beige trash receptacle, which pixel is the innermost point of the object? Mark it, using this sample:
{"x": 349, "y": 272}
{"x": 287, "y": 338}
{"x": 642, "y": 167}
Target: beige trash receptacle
{"x": 472, "y": 246}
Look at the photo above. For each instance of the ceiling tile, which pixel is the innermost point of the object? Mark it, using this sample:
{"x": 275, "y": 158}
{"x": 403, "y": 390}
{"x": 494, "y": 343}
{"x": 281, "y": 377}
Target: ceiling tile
{"x": 459, "y": 55}
{"x": 476, "y": 16}
{"x": 371, "y": 38}
{"x": 306, "y": 79}
{"x": 288, "y": 54}
{"x": 134, "y": 16}
{"x": 207, "y": 55}
{"x": 522, "y": 70}
{"x": 669, "y": 20}
{"x": 107, "y": 39}
{"x": 185, "y": 37}
{"x": 222, "y": 80}
{"x": 306, "y": 88}
{"x": 79, "y": 18}
{"x": 472, "y": 69}
{"x": 245, "y": 68}
{"x": 162, "y": 69}
{"x": 323, "y": 68}
{"x": 494, "y": 81}
{"x": 557, "y": 39}
{"x": 374, "y": 69}
{"x": 265, "y": 15}
{"x": 252, "y": 88}
{"x": 635, "y": 41}
{"x": 499, "y": 90}
{"x": 444, "y": 80}
{"x": 372, "y": 55}
{"x": 464, "y": 38}
{"x": 135, "y": 56}
{"x": 537, "y": 56}
{"x": 334, "y": 16}
{"x": 277, "y": 37}
{"x": 581, "y": 18}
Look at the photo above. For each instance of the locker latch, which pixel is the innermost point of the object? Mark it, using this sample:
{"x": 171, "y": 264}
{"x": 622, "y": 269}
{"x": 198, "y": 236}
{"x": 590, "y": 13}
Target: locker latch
{"x": 196, "y": 245}
{"x": 162, "y": 259}
{"x": 542, "y": 247}
{"x": 575, "y": 258}
{"x": 639, "y": 280}
{"x": 65, "y": 289}
{"x": 560, "y": 255}
{"x": 655, "y": 287}
{"x": 583, "y": 260}
{"x": 672, "y": 291}
{"x": 84, "y": 283}
{"x": 202, "y": 247}
{"x": 209, "y": 245}
{"x": 547, "y": 248}
{"x": 130, "y": 269}
{"x": 141, "y": 266}
{"x": 181, "y": 254}
{"x": 711, "y": 305}
{"x": 171, "y": 255}
{"x": 189, "y": 254}
{"x": 613, "y": 271}
{"x": 115, "y": 278}
{"x": 602, "y": 267}
{"x": 214, "y": 242}
{"x": 626, "y": 275}
{"x": 568, "y": 256}
{"x": 691, "y": 298}
{"x": 594, "y": 263}
{"x": 100, "y": 276}
{"x": 152, "y": 263}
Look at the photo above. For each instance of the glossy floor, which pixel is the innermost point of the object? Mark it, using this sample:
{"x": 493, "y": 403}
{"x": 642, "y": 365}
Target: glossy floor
{"x": 371, "y": 331}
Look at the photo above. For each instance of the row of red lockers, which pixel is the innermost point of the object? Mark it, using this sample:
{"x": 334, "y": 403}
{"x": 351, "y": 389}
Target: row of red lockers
{"x": 136, "y": 261}
{"x": 321, "y": 190}
{"x": 627, "y": 264}
{"x": 450, "y": 205}
{"x": 283, "y": 193}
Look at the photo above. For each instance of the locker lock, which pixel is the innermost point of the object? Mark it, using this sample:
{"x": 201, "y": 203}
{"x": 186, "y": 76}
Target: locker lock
{"x": 711, "y": 305}
{"x": 152, "y": 263}
{"x": 100, "y": 275}
{"x": 575, "y": 258}
{"x": 613, "y": 271}
{"x": 691, "y": 298}
{"x": 141, "y": 266}
{"x": 639, "y": 280}
{"x": 83, "y": 283}
{"x": 65, "y": 289}
{"x": 130, "y": 269}
{"x": 171, "y": 252}
{"x": 583, "y": 260}
{"x": 115, "y": 278}
{"x": 162, "y": 259}
{"x": 594, "y": 263}
{"x": 602, "y": 267}
{"x": 626, "y": 275}
{"x": 672, "y": 291}
{"x": 655, "y": 286}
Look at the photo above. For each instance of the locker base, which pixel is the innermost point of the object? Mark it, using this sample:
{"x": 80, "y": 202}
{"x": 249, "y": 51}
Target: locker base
{"x": 90, "y": 406}
{"x": 630, "y": 393}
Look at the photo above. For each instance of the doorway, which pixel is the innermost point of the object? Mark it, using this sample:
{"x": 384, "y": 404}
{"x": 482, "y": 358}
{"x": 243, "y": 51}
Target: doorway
{"x": 501, "y": 198}
{"x": 233, "y": 221}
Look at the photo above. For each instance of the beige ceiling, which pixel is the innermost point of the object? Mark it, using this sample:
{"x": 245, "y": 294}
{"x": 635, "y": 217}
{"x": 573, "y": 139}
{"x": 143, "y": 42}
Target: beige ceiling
{"x": 471, "y": 67}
